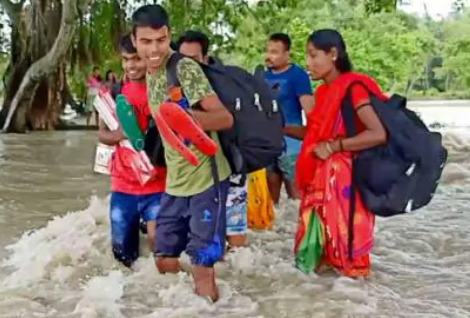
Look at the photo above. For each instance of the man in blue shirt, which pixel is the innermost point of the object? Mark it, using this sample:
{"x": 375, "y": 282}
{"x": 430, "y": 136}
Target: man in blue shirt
{"x": 293, "y": 91}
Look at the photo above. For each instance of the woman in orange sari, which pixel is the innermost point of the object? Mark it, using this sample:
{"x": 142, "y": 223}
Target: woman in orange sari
{"x": 324, "y": 167}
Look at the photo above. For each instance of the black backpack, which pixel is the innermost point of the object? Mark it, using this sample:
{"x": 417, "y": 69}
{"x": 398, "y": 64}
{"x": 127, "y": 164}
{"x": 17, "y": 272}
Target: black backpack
{"x": 153, "y": 144}
{"x": 256, "y": 138}
{"x": 402, "y": 175}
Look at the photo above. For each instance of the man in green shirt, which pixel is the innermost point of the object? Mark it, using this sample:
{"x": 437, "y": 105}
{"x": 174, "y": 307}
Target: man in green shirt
{"x": 192, "y": 213}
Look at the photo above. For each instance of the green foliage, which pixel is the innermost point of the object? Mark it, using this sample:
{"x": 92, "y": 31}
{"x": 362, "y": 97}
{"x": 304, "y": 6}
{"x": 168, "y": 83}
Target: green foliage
{"x": 385, "y": 48}
{"x": 97, "y": 39}
{"x": 456, "y": 52}
{"x": 217, "y": 18}
{"x": 404, "y": 53}
{"x": 3, "y": 67}
{"x": 378, "y": 6}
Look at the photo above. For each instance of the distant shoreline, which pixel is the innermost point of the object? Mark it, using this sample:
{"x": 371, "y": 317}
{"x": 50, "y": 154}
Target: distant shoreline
{"x": 439, "y": 102}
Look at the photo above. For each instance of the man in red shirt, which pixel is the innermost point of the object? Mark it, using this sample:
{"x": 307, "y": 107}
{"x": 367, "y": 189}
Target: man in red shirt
{"x": 131, "y": 200}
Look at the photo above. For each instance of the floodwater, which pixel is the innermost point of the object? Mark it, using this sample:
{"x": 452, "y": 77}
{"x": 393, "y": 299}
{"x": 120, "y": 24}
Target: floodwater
{"x": 56, "y": 260}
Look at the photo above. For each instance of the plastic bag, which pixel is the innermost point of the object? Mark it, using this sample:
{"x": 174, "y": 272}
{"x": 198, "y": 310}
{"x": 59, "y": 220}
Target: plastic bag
{"x": 140, "y": 163}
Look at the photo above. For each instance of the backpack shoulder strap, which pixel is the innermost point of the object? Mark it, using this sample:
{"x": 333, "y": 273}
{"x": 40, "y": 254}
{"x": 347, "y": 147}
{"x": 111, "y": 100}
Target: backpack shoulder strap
{"x": 172, "y": 70}
{"x": 348, "y": 112}
{"x": 259, "y": 72}
{"x": 215, "y": 62}
{"x": 173, "y": 81}
{"x": 347, "y": 109}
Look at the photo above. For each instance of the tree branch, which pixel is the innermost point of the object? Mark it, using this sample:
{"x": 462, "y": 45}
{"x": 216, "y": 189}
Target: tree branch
{"x": 48, "y": 63}
{"x": 11, "y": 8}
{"x": 8, "y": 6}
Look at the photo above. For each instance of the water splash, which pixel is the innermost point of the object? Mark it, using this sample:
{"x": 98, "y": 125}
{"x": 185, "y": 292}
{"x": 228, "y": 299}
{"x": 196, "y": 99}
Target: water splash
{"x": 421, "y": 267}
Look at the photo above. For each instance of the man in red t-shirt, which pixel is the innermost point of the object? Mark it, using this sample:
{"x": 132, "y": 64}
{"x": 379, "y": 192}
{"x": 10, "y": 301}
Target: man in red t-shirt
{"x": 131, "y": 200}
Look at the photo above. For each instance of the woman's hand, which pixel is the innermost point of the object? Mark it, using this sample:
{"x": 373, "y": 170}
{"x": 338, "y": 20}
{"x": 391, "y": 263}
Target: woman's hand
{"x": 325, "y": 149}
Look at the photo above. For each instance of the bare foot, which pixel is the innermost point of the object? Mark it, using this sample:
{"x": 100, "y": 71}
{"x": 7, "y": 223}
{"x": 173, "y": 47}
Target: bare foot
{"x": 204, "y": 281}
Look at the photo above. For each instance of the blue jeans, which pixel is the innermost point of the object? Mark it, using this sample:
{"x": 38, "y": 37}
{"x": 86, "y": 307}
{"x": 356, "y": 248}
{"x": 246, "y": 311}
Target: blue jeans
{"x": 125, "y": 213}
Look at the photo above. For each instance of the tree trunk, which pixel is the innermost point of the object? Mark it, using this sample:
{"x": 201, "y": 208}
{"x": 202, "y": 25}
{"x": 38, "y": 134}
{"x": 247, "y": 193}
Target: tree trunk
{"x": 19, "y": 63}
{"x": 447, "y": 84}
{"x": 12, "y": 83}
{"x": 33, "y": 91}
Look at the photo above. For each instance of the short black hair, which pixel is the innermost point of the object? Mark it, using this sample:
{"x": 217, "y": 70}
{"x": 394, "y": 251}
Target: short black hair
{"x": 96, "y": 68}
{"x": 283, "y": 38}
{"x": 150, "y": 15}
{"x": 195, "y": 37}
{"x": 107, "y": 74}
{"x": 327, "y": 39}
{"x": 126, "y": 45}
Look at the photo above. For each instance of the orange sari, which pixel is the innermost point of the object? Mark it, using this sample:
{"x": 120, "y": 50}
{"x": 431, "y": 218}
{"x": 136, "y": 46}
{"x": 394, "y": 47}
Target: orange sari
{"x": 260, "y": 205}
{"x": 325, "y": 187}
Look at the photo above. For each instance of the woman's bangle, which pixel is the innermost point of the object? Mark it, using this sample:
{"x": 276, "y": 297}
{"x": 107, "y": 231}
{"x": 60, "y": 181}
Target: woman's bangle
{"x": 329, "y": 148}
{"x": 334, "y": 146}
{"x": 341, "y": 146}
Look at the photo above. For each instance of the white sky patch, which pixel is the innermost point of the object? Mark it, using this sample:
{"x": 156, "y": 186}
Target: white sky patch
{"x": 437, "y": 9}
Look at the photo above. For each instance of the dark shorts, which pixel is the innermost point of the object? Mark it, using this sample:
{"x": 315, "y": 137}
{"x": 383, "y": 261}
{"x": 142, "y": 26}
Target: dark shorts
{"x": 284, "y": 166}
{"x": 126, "y": 210}
{"x": 195, "y": 224}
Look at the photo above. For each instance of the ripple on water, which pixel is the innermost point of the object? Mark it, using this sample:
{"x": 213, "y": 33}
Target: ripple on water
{"x": 421, "y": 268}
